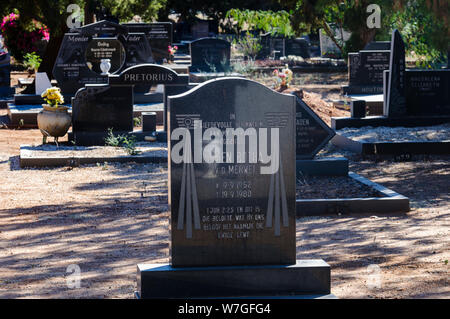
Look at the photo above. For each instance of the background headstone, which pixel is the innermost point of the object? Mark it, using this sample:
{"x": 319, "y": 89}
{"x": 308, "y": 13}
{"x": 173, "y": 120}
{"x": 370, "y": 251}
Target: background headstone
{"x": 76, "y": 63}
{"x": 396, "y": 101}
{"x": 378, "y": 46}
{"x": 365, "y": 72}
{"x": 427, "y": 92}
{"x": 312, "y": 133}
{"x": 159, "y": 35}
{"x": 95, "y": 109}
{"x": 5, "y": 75}
{"x": 41, "y": 83}
{"x": 230, "y": 213}
{"x": 298, "y": 47}
{"x": 210, "y": 55}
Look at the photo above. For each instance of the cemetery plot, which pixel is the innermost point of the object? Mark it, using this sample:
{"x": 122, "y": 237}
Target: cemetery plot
{"x": 49, "y": 155}
{"x": 395, "y": 140}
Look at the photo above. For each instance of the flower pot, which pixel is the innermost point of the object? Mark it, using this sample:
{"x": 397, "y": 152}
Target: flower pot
{"x": 54, "y": 121}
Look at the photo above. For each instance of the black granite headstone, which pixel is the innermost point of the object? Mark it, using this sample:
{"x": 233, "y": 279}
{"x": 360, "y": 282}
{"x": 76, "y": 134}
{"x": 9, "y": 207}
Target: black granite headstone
{"x": 77, "y": 60}
{"x": 312, "y": 133}
{"x": 230, "y": 203}
{"x": 210, "y": 55}
{"x": 358, "y": 108}
{"x": 378, "y": 46}
{"x": 159, "y": 35}
{"x": 366, "y": 67}
{"x": 427, "y": 92}
{"x": 396, "y": 101}
{"x": 5, "y": 76}
{"x": 298, "y": 47}
{"x": 97, "y": 108}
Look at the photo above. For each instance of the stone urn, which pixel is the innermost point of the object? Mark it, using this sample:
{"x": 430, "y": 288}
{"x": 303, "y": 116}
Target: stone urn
{"x": 54, "y": 121}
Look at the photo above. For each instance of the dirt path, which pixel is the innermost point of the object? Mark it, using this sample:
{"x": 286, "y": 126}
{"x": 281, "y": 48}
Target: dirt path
{"x": 107, "y": 218}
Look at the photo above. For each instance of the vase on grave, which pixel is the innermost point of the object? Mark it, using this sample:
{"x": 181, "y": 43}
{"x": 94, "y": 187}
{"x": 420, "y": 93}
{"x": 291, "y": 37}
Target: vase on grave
{"x": 54, "y": 121}
{"x": 105, "y": 66}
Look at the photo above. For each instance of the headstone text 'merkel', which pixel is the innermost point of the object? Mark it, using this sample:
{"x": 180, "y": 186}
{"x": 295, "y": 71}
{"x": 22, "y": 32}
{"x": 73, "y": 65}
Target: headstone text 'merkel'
{"x": 232, "y": 175}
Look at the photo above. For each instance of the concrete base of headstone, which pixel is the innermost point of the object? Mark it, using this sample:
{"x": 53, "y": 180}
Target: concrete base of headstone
{"x": 338, "y": 123}
{"x": 335, "y": 166}
{"x": 306, "y": 277}
{"x": 391, "y": 148}
{"x": 198, "y": 77}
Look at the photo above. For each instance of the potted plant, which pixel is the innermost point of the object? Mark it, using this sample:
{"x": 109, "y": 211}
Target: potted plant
{"x": 53, "y": 120}
{"x": 32, "y": 61}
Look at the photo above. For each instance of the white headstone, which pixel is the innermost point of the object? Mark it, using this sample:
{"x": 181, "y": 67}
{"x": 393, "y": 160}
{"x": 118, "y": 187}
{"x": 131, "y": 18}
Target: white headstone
{"x": 41, "y": 82}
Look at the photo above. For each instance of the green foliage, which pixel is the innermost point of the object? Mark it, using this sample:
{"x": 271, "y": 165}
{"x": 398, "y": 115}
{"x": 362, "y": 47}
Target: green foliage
{"x": 113, "y": 140}
{"x": 136, "y": 121}
{"x": 423, "y": 23}
{"x": 276, "y": 23}
{"x": 249, "y": 45}
{"x": 32, "y": 61}
{"x": 129, "y": 143}
{"x": 425, "y": 34}
{"x": 244, "y": 67}
{"x": 126, "y": 9}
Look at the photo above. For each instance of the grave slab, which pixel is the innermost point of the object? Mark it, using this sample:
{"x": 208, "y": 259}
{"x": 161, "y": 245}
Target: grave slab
{"x": 335, "y": 166}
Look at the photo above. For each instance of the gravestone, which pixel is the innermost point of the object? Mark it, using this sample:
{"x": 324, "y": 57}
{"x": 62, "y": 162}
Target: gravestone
{"x": 210, "y": 55}
{"x": 5, "y": 76}
{"x": 297, "y": 47}
{"x": 99, "y": 107}
{"x": 82, "y": 48}
{"x": 411, "y": 97}
{"x": 200, "y": 29}
{"x": 395, "y": 97}
{"x": 365, "y": 72}
{"x": 312, "y": 133}
{"x": 159, "y": 35}
{"x": 427, "y": 92}
{"x": 378, "y": 46}
{"x": 232, "y": 204}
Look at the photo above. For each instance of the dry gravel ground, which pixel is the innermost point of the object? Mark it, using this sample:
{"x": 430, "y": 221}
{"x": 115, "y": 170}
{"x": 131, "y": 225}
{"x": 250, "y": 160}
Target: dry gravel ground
{"x": 107, "y": 218}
